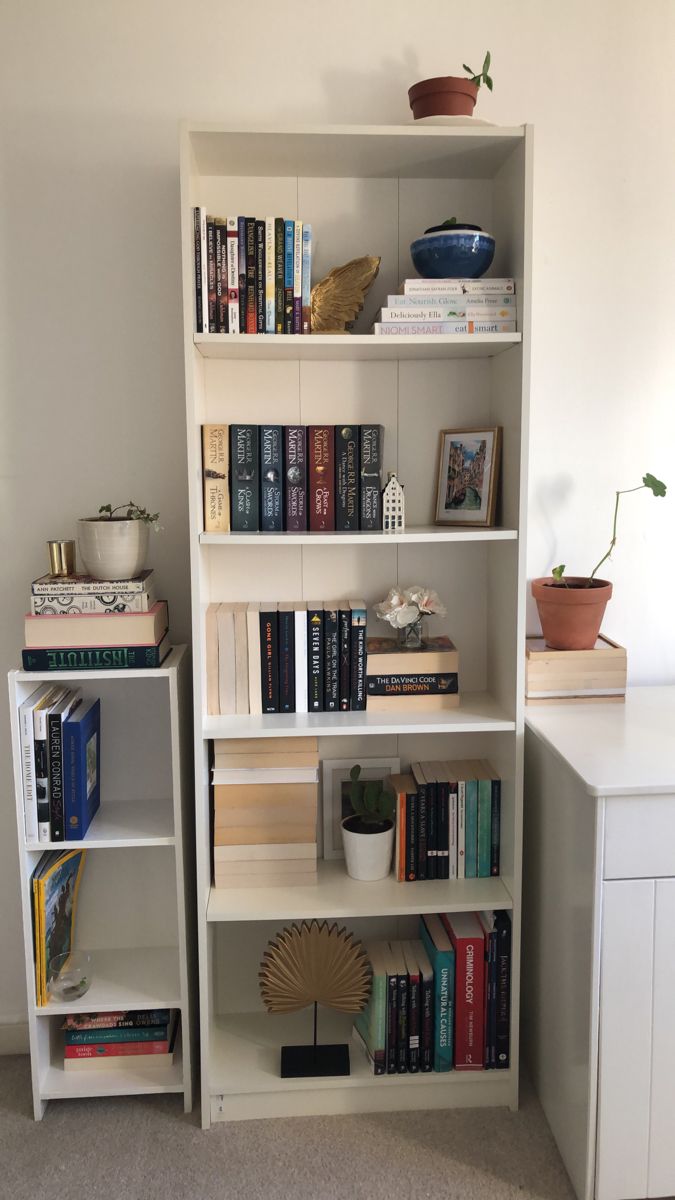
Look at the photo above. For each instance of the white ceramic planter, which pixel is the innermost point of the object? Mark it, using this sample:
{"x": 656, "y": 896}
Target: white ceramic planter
{"x": 368, "y": 855}
{"x": 113, "y": 549}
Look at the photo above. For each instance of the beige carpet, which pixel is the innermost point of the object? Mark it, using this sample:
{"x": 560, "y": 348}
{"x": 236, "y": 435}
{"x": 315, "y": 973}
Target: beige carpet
{"x": 145, "y": 1148}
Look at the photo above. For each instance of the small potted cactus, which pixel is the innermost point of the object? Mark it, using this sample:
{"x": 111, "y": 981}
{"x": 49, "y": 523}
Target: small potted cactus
{"x": 368, "y": 834}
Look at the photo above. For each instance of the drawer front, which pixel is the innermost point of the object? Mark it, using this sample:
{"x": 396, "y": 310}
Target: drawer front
{"x": 639, "y": 837}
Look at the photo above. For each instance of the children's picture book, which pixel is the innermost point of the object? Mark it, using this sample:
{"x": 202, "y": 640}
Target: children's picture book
{"x": 55, "y": 884}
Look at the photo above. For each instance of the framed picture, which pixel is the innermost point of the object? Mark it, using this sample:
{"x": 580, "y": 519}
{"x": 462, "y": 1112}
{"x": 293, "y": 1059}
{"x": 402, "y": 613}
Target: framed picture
{"x": 468, "y": 473}
{"x": 335, "y": 794}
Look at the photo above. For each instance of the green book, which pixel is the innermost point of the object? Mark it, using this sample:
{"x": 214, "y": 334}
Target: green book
{"x": 371, "y": 1022}
{"x": 441, "y": 955}
{"x": 145, "y": 1033}
{"x": 485, "y": 820}
{"x": 471, "y": 828}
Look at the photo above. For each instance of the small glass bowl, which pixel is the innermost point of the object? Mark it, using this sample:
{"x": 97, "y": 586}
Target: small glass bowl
{"x": 70, "y": 975}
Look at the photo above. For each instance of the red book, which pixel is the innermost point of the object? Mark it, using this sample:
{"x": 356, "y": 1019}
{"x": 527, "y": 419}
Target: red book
{"x": 468, "y": 940}
{"x": 115, "y": 1049}
{"x": 321, "y": 463}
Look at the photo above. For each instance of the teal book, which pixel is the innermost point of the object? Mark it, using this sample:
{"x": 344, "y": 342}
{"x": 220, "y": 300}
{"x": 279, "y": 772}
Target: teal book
{"x": 441, "y": 955}
{"x": 147, "y": 1033}
{"x": 471, "y": 829}
{"x": 485, "y": 821}
{"x": 371, "y": 1022}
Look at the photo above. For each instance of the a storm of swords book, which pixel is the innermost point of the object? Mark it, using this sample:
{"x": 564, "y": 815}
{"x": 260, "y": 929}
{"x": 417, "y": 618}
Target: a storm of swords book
{"x": 295, "y": 459}
{"x": 271, "y": 491}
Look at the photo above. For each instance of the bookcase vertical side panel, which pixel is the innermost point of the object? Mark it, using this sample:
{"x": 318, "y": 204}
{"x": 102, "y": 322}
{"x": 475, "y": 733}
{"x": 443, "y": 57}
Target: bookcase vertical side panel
{"x": 181, "y": 743}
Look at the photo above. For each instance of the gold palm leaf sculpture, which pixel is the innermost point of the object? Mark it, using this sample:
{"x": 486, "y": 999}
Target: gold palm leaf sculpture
{"x": 314, "y": 963}
{"x": 338, "y": 298}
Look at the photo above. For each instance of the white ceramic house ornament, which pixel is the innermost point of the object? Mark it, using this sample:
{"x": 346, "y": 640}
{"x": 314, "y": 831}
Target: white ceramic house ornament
{"x": 393, "y": 506}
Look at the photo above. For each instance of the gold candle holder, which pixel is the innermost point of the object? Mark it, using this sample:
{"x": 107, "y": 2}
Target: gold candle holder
{"x": 61, "y": 558}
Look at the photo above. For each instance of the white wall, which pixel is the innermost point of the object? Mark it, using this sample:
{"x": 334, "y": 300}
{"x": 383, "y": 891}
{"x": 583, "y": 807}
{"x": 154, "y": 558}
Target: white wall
{"x": 91, "y": 92}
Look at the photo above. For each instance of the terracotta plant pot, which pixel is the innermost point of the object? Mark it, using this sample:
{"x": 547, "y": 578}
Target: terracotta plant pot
{"x": 571, "y": 616}
{"x": 446, "y": 96}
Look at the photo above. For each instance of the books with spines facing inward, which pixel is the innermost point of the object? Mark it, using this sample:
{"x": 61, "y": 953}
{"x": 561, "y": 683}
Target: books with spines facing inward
{"x": 54, "y": 886}
{"x": 60, "y": 763}
{"x": 80, "y": 623}
{"x": 251, "y": 274}
{"x": 440, "y": 1002}
{"x": 459, "y": 306}
{"x": 448, "y": 821}
{"x": 292, "y": 478}
{"x": 285, "y": 656}
{"x": 111, "y": 1039}
{"x": 265, "y": 812}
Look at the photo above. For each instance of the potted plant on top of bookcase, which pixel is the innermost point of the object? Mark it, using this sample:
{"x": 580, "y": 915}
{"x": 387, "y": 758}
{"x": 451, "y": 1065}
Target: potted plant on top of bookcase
{"x": 368, "y": 834}
{"x": 449, "y": 95}
{"x": 114, "y": 545}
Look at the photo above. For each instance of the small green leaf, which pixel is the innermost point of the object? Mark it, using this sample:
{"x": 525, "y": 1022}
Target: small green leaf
{"x": 450, "y": 221}
{"x": 558, "y": 572}
{"x": 656, "y": 486}
{"x": 471, "y": 72}
{"x": 355, "y": 772}
{"x": 488, "y": 83}
{"x": 486, "y": 64}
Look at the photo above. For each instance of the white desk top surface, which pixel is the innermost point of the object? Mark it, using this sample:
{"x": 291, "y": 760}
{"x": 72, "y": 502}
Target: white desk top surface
{"x": 615, "y": 749}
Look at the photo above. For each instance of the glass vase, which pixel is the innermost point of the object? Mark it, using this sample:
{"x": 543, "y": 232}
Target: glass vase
{"x": 410, "y": 636}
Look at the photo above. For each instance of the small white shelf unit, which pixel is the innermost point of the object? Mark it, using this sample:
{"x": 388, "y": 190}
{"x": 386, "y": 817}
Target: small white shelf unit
{"x": 131, "y": 912}
{"x": 366, "y": 190}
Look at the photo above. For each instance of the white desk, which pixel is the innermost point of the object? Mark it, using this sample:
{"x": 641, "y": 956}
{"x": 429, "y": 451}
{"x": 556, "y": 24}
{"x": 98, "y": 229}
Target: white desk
{"x": 598, "y": 995}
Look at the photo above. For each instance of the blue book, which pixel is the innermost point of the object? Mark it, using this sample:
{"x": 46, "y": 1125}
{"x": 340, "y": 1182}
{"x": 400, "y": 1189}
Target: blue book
{"x": 81, "y": 749}
{"x": 306, "y": 278}
{"x": 94, "y": 1037}
{"x": 441, "y": 955}
{"x": 471, "y": 829}
{"x": 289, "y": 241}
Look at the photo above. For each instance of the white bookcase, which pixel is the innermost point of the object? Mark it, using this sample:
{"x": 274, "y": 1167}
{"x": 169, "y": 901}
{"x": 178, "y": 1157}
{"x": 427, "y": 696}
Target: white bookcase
{"x": 366, "y": 190}
{"x": 131, "y": 910}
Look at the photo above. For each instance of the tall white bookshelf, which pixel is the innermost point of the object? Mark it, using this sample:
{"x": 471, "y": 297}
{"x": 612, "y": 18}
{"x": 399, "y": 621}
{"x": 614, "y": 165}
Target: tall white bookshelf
{"x": 131, "y": 910}
{"x": 366, "y": 190}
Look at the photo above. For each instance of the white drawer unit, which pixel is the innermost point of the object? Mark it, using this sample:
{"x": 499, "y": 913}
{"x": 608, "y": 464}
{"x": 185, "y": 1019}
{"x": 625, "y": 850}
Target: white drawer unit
{"x": 599, "y": 938}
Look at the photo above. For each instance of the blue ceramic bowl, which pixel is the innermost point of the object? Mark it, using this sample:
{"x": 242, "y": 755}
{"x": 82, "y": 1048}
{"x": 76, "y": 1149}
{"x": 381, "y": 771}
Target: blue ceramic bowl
{"x": 460, "y": 252}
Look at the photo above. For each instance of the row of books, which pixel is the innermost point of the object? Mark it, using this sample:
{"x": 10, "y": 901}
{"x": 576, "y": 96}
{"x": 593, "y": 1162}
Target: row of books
{"x": 275, "y": 478}
{"x": 448, "y": 817}
{"x": 251, "y": 275}
{"x": 290, "y": 656}
{"x": 265, "y": 800}
{"x": 442, "y": 1001}
{"x": 428, "y": 306}
{"x": 81, "y": 623}
{"x": 95, "y": 1040}
{"x": 54, "y": 884}
{"x": 60, "y": 734}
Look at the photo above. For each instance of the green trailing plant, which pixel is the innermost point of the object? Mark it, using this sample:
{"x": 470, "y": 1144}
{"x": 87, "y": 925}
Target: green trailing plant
{"x": 129, "y": 512}
{"x": 370, "y": 800}
{"x": 655, "y": 486}
{"x": 483, "y": 76}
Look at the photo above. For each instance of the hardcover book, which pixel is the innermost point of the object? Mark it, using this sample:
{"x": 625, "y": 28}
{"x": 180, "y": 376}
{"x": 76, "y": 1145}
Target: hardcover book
{"x": 215, "y": 458}
{"x": 441, "y": 955}
{"x": 241, "y": 265}
{"x": 371, "y": 1023}
{"x": 97, "y": 658}
{"x": 86, "y": 585}
{"x": 321, "y": 473}
{"x": 55, "y": 884}
{"x": 466, "y": 934}
{"x": 295, "y": 447}
{"x": 244, "y": 478}
{"x": 271, "y": 494}
{"x": 289, "y": 242}
{"x": 359, "y": 614}
{"x": 81, "y": 768}
{"x": 297, "y": 278}
{"x": 116, "y": 1020}
{"x": 371, "y": 449}
{"x": 197, "y": 243}
{"x": 346, "y": 477}
{"x": 232, "y": 275}
{"x": 221, "y": 276}
{"x": 55, "y": 721}
{"x": 270, "y": 259}
{"x": 251, "y": 321}
{"x": 97, "y": 629}
{"x": 211, "y": 271}
{"x": 259, "y": 276}
{"x": 306, "y": 288}
{"x": 278, "y": 275}
{"x": 315, "y": 656}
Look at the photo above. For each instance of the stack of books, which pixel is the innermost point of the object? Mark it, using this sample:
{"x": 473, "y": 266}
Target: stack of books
{"x": 422, "y": 680}
{"x": 448, "y": 817}
{"x": 80, "y": 624}
{"x": 60, "y": 733}
{"x": 441, "y": 1002}
{"x": 265, "y": 799}
{"x": 427, "y": 306}
{"x": 251, "y": 275}
{"x": 95, "y": 1040}
{"x": 291, "y": 478}
{"x": 286, "y": 657}
{"x": 54, "y": 884}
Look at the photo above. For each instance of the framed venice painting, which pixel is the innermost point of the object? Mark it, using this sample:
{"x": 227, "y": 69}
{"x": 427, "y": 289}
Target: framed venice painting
{"x": 468, "y": 474}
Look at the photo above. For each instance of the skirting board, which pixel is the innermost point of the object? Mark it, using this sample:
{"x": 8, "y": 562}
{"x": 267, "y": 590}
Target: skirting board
{"x": 14, "y": 1037}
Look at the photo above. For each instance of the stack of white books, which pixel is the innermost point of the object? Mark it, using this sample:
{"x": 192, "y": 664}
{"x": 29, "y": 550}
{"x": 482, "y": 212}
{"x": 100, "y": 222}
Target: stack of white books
{"x": 427, "y": 306}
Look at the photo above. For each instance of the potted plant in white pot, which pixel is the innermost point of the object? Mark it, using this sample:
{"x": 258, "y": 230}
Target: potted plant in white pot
{"x": 368, "y": 834}
{"x": 114, "y": 545}
{"x": 571, "y": 607}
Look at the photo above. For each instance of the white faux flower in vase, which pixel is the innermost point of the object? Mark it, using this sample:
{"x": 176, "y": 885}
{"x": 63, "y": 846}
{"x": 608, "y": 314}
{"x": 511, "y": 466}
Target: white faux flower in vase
{"x": 405, "y": 609}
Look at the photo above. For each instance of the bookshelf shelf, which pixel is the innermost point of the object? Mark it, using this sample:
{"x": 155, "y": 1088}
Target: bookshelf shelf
{"x": 335, "y": 895}
{"x": 245, "y": 1073}
{"x": 477, "y": 713}
{"x": 137, "y": 977}
{"x": 364, "y": 188}
{"x": 423, "y": 534}
{"x": 123, "y": 823}
{"x": 133, "y": 885}
{"x": 365, "y": 347}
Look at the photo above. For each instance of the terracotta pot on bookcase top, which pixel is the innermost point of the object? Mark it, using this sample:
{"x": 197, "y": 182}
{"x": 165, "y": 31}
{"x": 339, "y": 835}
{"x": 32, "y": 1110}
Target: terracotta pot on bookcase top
{"x": 571, "y": 612}
{"x": 444, "y": 96}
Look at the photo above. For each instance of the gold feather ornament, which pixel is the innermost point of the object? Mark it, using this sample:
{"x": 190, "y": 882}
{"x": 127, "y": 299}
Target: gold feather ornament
{"x": 314, "y": 963}
{"x": 338, "y": 298}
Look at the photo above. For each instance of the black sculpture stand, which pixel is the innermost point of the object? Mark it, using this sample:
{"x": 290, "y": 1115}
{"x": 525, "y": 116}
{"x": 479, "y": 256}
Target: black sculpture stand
{"x": 301, "y": 1062}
